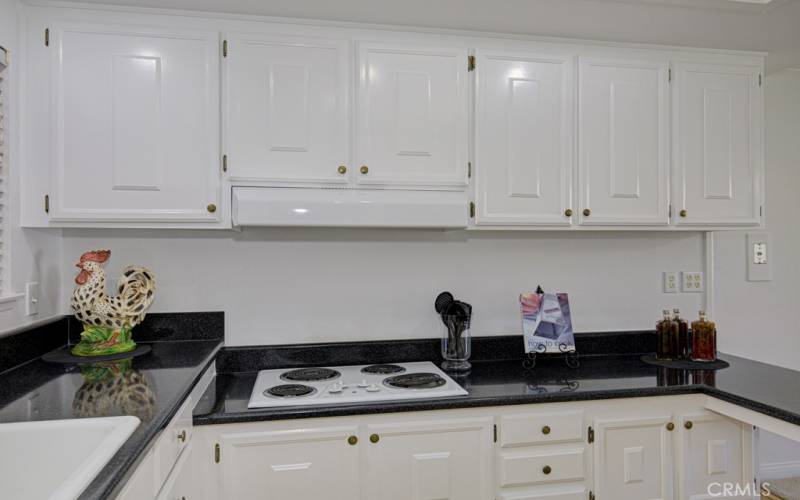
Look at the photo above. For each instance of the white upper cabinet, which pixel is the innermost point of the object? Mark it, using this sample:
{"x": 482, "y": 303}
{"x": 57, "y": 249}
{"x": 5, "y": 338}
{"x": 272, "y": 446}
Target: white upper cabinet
{"x": 623, "y": 165}
{"x": 135, "y": 124}
{"x": 717, "y": 134}
{"x": 286, "y": 109}
{"x": 524, "y": 138}
{"x": 412, "y": 106}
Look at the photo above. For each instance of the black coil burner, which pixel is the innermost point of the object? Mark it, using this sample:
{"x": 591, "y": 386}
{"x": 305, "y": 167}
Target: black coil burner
{"x": 310, "y": 374}
{"x": 290, "y": 390}
{"x": 382, "y": 369}
{"x": 415, "y": 381}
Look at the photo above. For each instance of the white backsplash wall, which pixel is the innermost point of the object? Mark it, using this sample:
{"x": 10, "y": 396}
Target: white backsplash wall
{"x": 312, "y": 285}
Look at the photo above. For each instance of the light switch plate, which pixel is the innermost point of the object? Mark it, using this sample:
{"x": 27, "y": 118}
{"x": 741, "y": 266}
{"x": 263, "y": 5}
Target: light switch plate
{"x": 759, "y": 257}
{"x": 32, "y": 298}
{"x": 692, "y": 282}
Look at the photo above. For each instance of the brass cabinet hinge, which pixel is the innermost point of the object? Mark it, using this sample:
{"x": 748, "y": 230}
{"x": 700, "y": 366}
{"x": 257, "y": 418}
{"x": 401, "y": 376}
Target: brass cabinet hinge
{"x": 761, "y": 211}
{"x": 469, "y": 169}
{"x": 224, "y": 163}
{"x": 472, "y": 209}
{"x": 670, "y": 211}
{"x": 224, "y": 48}
{"x": 470, "y": 63}
{"x": 216, "y": 453}
{"x": 495, "y": 433}
{"x": 47, "y": 37}
{"x": 47, "y": 203}
{"x": 669, "y": 73}
{"x": 759, "y": 79}
{"x": 591, "y": 495}
{"x": 591, "y": 434}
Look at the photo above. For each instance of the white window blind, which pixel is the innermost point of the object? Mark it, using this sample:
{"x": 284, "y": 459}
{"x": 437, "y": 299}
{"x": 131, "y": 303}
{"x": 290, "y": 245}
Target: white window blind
{"x": 3, "y": 164}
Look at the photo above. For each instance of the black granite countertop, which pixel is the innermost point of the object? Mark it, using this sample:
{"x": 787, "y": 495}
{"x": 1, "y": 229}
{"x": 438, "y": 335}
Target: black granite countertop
{"x": 761, "y": 387}
{"x": 151, "y": 387}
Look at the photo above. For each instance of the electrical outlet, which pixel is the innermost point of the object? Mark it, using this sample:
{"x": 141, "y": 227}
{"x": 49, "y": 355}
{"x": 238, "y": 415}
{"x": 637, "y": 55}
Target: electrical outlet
{"x": 670, "y": 282}
{"x": 32, "y": 298}
{"x": 692, "y": 282}
{"x": 759, "y": 260}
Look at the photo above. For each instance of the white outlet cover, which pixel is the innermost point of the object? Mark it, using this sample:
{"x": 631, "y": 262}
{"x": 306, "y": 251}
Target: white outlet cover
{"x": 32, "y": 298}
{"x": 671, "y": 282}
{"x": 759, "y": 257}
{"x": 692, "y": 282}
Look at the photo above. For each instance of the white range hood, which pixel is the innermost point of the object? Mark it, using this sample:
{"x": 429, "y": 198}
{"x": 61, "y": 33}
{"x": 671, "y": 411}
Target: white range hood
{"x": 265, "y": 206}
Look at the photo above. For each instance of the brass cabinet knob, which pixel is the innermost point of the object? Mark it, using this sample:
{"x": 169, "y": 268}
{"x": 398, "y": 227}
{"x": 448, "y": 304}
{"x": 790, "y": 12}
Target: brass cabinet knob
{"x": 683, "y": 213}
{"x": 182, "y": 436}
{"x": 211, "y": 208}
{"x": 546, "y": 430}
{"x": 568, "y": 212}
{"x": 374, "y": 438}
{"x": 688, "y": 424}
{"x": 364, "y": 169}
{"x": 342, "y": 169}
{"x": 547, "y": 470}
{"x": 670, "y": 427}
{"x": 352, "y": 440}
{"x": 587, "y": 212}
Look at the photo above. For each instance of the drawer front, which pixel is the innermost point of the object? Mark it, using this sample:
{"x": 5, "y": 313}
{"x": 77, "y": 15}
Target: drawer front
{"x": 173, "y": 440}
{"x": 520, "y": 469}
{"x": 541, "y": 428}
{"x": 566, "y": 494}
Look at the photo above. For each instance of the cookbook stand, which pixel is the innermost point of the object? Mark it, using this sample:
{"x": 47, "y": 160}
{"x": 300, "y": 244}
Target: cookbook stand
{"x": 570, "y": 356}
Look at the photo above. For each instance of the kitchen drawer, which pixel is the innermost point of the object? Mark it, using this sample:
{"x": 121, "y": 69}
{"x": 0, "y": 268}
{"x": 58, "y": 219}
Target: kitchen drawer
{"x": 173, "y": 440}
{"x": 528, "y": 468}
{"x": 541, "y": 428}
{"x": 571, "y": 493}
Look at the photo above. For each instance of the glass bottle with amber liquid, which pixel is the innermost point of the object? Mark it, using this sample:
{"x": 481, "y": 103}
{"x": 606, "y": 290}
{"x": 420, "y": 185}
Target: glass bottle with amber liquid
{"x": 664, "y": 349}
{"x": 682, "y": 342}
{"x": 704, "y": 339}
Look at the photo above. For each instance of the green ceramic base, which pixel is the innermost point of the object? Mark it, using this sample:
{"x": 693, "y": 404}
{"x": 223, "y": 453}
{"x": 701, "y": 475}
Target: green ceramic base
{"x": 100, "y": 341}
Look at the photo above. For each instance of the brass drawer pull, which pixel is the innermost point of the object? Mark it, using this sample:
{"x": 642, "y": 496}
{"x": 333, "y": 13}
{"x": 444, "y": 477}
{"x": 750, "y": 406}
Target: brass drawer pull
{"x": 547, "y": 470}
{"x": 374, "y": 438}
{"x": 670, "y": 427}
{"x": 683, "y": 213}
{"x": 568, "y": 212}
{"x": 688, "y": 424}
{"x": 182, "y": 436}
{"x": 546, "y": 430}
{"x": 364, "y": 169}
{"x": 342, "y": 169}
{"x": 211, "y": 208}
{"x": 352, "y": 440}
{"x": 587, "y": 212}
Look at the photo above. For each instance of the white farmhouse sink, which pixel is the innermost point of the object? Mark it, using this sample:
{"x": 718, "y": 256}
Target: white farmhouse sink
{"x": 57, "y": 459}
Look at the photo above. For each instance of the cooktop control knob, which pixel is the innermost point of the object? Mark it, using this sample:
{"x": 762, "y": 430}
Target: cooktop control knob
{"x": 373, "y": 388}
{"x": 363, "y": 383}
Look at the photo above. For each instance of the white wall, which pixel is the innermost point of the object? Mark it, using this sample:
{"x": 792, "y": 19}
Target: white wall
{"x": 760, "y": 320}
{"x": 308, "y": 285}
{"x": 33, "y": 255}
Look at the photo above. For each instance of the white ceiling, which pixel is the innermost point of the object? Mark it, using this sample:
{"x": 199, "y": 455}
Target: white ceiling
{"x": 772, "y": 26}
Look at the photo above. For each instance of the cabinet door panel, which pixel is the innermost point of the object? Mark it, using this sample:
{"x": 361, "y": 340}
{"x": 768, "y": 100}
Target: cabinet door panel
{"x": 633, "y": 459}
{"x": 412, "y": 116}
{"x": 135, "y": 121}
{"x": 287, "y": 108}
{"x": 428, "y": 461}
{"x": 523, "y": 132}
{"x": 624, "y": 142}
{"x": 714, "y": 450}
{"x": 718, "y": 144}
{"x": 289, "y": 465}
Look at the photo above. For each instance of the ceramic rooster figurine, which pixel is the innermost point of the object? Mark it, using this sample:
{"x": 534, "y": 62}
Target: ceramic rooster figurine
{"x": 107, "y": 321}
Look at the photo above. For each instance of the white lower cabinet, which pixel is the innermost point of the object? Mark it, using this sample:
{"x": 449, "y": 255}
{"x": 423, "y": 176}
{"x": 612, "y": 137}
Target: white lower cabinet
{"x": 428, "y": 460}
{"x": 633, "y": 458}
{"x": 667, "y": 448}
{"x": 181, "y": 483}
{"x": 712, "y": 451}
{"x": 289, "y": 464}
